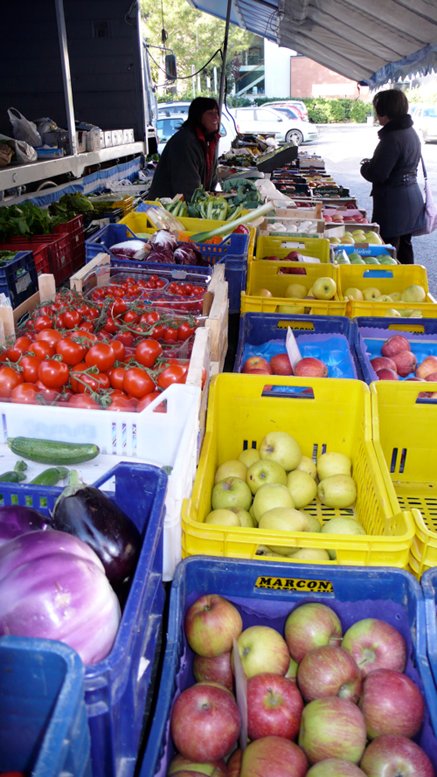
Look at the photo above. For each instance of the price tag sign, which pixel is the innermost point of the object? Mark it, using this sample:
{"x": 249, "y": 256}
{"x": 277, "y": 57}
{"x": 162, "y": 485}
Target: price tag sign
{"x": 292, "y": 348}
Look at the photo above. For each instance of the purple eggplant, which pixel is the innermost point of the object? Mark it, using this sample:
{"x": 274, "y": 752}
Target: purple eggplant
{"x": 91, "y": 515}
{"x": 16, "y": 520}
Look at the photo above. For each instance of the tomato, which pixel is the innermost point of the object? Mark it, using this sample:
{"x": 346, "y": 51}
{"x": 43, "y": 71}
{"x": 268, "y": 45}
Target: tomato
{"x": 50, "y": 336}
{"x": 116, "y": 377}
{"x": 25, "y": 393}
{"x": 145, "y": 401}
{"x": 174, "y": 373}
{"x": 53, "y": 373}
{"x": 20, "y": 346}
{"x": 101, "y": 356}
{"x": 83, "y": 400}
{"x": 123, "y": 402}
{"x": 170, "y": 333}
{"x": 149, "y": 318}
{"x": 29, "y": 366}
{"x": 49, "y": 395}
{"x": 126, "y": 338}
{"x": 118, "y": 307}
{"x": 81, "y": 380}
{"x": 71, "y": 319}
{"x": 185, "y": 331}
{"x": 42, "y": 322}
{"x": 41, "y": 349}
{"x": 9, "y": 378}
{"x": 83, "y": 335}
{"x": 110, "y": 326}
{"x": 147, "y": 352}
{"x": 137, "y": 383}
{"x": 72, "y": 352}
{"x": 103, "y": 380}
{"x": 119, "y": 349}
{"x": 131, "y": 317}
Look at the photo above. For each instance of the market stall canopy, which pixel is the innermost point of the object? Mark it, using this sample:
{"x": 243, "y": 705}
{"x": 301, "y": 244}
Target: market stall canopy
{"x": 371, "y": 41}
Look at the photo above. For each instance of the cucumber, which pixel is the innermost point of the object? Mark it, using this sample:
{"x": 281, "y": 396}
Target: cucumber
{"x": 53, "y": 451}
{"x": 50, "y": 476}
{"x": 16, "y": 475}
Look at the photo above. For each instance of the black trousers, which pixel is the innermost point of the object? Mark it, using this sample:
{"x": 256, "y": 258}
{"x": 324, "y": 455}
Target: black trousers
{"x": 404, "y": 247}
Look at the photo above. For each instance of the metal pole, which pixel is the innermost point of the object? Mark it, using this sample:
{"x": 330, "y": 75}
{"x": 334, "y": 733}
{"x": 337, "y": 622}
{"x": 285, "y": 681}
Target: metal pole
{"x": 66, "y": 76}
{"x": 225, "y": 51}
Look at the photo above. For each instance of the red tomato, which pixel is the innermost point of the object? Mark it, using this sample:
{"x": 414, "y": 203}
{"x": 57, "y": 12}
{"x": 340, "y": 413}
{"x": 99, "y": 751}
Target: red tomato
{"x": 72, "y": 351}
{"x": 174, "y": 373}
{"x": 81, "y": 380}
{"x": 42, "y": 322}
{"x": 131, "y": 317}
{"x": 25, "y": 393}
{"x": 147, "y": 352}
{"x": 71, "y": 319}
{"x": 123, "y": 402}
{"x": 20, "y": 346}
{"x": 118, "y": 307}
{"x": 137, "y": 383}
{"x": 101, "y": 356}
{"x": 9, "y": 378}
{"x": 170, "y": 333}
{"x": 29, "y": 365}
{"x": 53, "y": 373}
{"x": 125, "y": 337}
{"x": 149, "y": 318}
{"x": 84, "y": 336}
{"x": 103, "y": 380}
{"x": 50, "y": 336}
{"x": 83, "y": 400}
{"x": 145, "y": 401}
{"x": 185, "y": 331}
{"x": 49, "y": 395}
{"x": 118, "y": 348}
{"x": 116, "y": 377}
{"x": 110, "y": 326}
{"x": 41, "y": 349}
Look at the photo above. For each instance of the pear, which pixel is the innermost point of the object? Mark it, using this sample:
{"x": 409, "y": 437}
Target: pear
{"x": 373, "y": 238}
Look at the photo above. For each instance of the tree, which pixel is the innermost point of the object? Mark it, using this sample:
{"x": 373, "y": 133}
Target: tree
{"x": 194, "y": 37}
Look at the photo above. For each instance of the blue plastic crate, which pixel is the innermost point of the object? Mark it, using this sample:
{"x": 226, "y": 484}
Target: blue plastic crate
{"x": 118, "y": 689}
{"x": 371, "y": 331}
{"x": 267, "y": 595}
{"x": 104, "y": 238}
{"x": 18, "y": 278}
{"x": 429, "y": 586}
{"x": 43, "y": 722}
{"x": 330, "y": 338}
{"x": 236, "y": 276}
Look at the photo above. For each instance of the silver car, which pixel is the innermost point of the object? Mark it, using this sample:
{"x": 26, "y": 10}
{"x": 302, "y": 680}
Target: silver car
{"x": 268, "y": 121}
{"x": 425, "y": 121}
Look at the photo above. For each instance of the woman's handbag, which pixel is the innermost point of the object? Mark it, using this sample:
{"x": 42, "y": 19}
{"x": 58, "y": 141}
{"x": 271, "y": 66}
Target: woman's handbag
{"x": 429, "y": 214}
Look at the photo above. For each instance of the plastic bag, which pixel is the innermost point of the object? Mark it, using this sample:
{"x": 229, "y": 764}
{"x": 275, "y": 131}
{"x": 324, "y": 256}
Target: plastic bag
{"x": 23, "y": 152}
{"x": 23, "y": 129}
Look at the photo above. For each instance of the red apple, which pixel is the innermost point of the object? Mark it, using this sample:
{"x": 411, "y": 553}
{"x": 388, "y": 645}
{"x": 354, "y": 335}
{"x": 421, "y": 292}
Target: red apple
{"x": 395, "y": 344}
{"x": 181, "y": 766}
{"x": 396, "y": 755}
{"x": 391, "y": 704}
{"x": 214, "y": 669}
{"x": 332, "y": 728}
{"x": 205, "y": 722}
{"x": 383, "y": 363}
{"x": 311, "y": 625}
{"x": 234, "y": 764}
{"x": 335, "y": 767}
{"x": 311, "y": 367}
{"x": 280, "y": 364}
{"x": 274, "y": 706}
{"x": 263, "y": 649}
{"x": 432, "y": 377}
{"x": 387, "y": 375}
{"x": 275, "y": 757}
{"x": 426, "y": 367}
{"x": 256, "y": 363}
{"x": 405, "y": 362}
{"x": 329, "y": 671}
{"x": 375, "y": 644}
{"x": 211, "y": 625}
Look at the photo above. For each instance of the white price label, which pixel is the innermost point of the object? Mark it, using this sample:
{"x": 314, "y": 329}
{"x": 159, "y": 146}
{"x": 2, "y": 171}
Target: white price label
{"x": 292, "y": 348}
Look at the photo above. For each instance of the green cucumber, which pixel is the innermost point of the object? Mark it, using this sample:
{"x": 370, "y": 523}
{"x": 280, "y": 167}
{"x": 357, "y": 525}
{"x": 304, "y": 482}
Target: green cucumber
{"x": 50, "y": 476}
{"x": 53, "y": 451}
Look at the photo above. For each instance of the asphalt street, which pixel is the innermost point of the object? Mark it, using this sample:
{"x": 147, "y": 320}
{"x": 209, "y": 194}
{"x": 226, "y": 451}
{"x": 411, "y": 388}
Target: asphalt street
{"x": 342, "y": 147}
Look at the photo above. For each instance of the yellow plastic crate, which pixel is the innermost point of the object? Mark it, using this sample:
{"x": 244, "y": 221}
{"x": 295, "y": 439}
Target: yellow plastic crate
{"x": 280, "y": 246}
{"x": 405, "y": 440}
{"x": 276, "y": 276}
{"x": 332, "y": 415}
{"x": 388, "y": 279}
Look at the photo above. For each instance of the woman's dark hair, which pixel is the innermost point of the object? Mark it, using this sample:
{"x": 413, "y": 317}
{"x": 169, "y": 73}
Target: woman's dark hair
{"x": 390, "y": 102}
{"x": 198, "y": 107}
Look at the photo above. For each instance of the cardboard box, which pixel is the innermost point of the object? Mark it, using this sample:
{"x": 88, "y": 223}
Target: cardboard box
{"x": 128, "y": 136}
{"x": 108, "y": 138}
{"x": 117, "y": 137}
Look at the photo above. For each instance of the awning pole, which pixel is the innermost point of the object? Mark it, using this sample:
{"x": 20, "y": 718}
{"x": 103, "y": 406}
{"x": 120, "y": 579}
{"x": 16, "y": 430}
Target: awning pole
{"x": 225, "y": 52}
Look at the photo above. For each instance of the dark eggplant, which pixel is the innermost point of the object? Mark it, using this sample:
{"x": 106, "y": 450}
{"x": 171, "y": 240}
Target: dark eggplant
{"x": 16, "y": 520}
{"x": 91, "y": 515}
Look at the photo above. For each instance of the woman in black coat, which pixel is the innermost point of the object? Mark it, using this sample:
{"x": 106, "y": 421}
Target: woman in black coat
{"x": 189, "y": 158}
{"x": 397, "y": 198}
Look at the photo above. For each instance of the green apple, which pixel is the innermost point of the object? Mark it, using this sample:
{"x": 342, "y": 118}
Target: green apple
{"x": 231, "y": 493}
{"x": 413, "y": 293}
{"x": 311, "y": 554}
{"x": 359, "y": 236}
{"x": 222, "y": 517}
{"x": 392, "y": 313}
{"x": 341, "y": 526}
{"x": 348, "y": 238}
{"x": 282, "y": 448}
{"x": 333, "y": 463}
{"x": 293, "y": 309}
{"x": 249, "y": 456}
{"x": 269, "y": 496}
{"x": 373, "y": 238}
{"x": 337, "y": 491}
{"x": 265, "y": 471}
{"x": 396, "y": 296}
{"x": 263, "y": 649}
{"x": 245, "y": 518}
{"x": 307, "y": 465}
{"x": 386, "y": 259}
{"x": 353, "y": 293}
{"x": 302, "y": 487}
{"x": 370, "y": 260}
{"x": 384, "y": 298}
{"x": 371, "y": 294}
{"x": 284, "y": 519}
{"x": 414, "y": 313}
{"x": 314, "y": 524}
{"x": 297, "y": 290}
{"x": 356, "y": 259}
{"x": 335, "y": 240}
{"x": 324, "y": 288}
{"x": 230, "y": 469}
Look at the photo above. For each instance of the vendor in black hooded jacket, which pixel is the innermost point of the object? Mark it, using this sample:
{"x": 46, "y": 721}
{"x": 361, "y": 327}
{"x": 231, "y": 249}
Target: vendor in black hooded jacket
{"x": 397, "y": 199}
{"x": 189, "y": 158}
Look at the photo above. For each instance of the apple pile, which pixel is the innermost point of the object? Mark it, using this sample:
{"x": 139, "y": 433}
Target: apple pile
{"x": 269, "y": 488}
{"x": 313, "y": 701}
{"x": 415, "y": 293}
{"x": 279, "y": 364}
{"x": 397, "y": 360}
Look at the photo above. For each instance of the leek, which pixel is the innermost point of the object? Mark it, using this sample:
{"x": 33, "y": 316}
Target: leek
{"x": 200, "y": 237}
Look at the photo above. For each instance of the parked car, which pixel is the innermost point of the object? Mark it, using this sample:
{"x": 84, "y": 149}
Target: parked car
{"x": 269, "y": 121}
{"x": 425, "y": 121}
{"x": 172, "y": 115}
{"x": 296, "y": 105}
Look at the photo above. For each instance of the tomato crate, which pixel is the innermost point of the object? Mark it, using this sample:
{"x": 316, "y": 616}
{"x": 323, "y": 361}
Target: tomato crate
{"x": 41, "y": 253}
{"x": 429, "y": 588}
{"x": 74, "y": 228}
{"x": 59, "y": 252}
{"x": 313, "y": 248}
{"x": 275, "y": 277}
{"x": 117, "y": 690}
{"x": 370, "y": 333}
{"x": 265, "y": 595}
{"x": 322, "y": 415}
{"x": 18, "y": 277}
{"x": 388, "y": 281}
{"x": 404, "y": 418}
{"x": 329, "y": 338}
{"x": 43, "y": 725}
